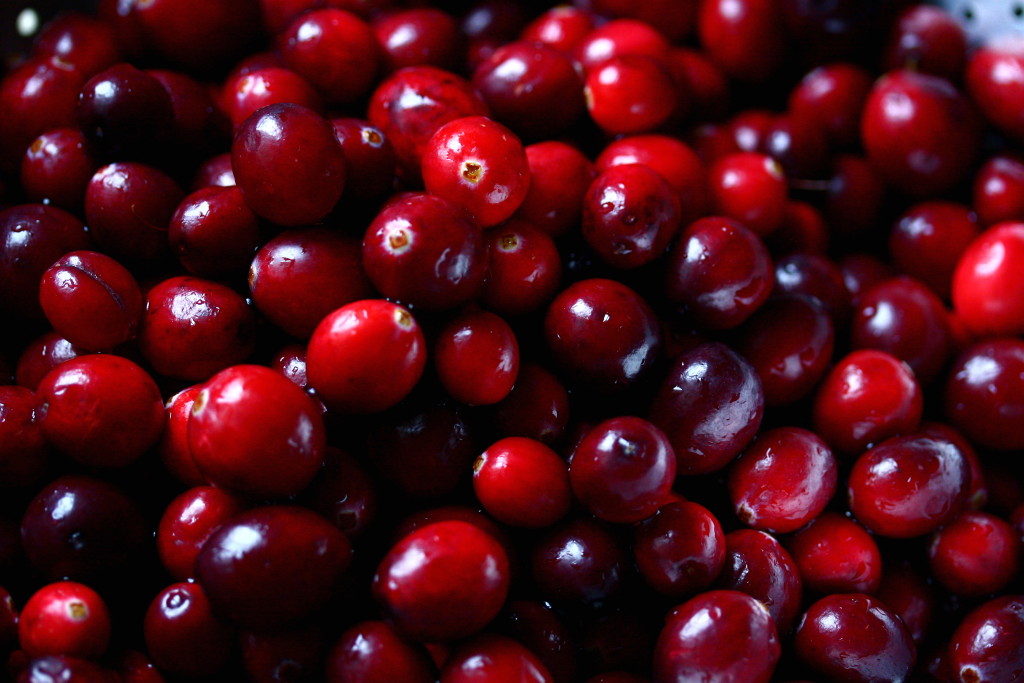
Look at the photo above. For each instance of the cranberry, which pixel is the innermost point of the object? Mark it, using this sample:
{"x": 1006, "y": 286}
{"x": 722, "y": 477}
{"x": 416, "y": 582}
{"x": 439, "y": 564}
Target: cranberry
{"x": 537, "y": 407}
{"x": 418, "y": 36}
{"x": 986, "y": 646}
{"x": 57, "y": 167}
{"x": 746, "y": 39}
{"x": 366, "y": 356}
{"x": 537, "y": 626}
{"x": 852, "y": 636}
{"x": 197, "y": 127}
{"x": 122, "y": 110}
{"x": 704, "y": 82}
{"x": 751, "y": 188}
{"x": 522, "y": 482}
{"x": 196, "y": 34}
{"x": 578, "y": 561}
{"x": 562, "y": 27}
{"x": 994, "y": 84}
{"x": 493, "y": 657}
{"x": 854, "y": 196}
{"x": 621, "y": 37}
{"x": 832, "y": 97}
{"x": 559, "y": 177}
{"x": 862, "y": 271}
{"x": 444, "y": 581}
{"x": 815, "y": 276}
{"x": 674, "y": 20}
{"x": 680, "y": 550}
{"x": 369, "y": 160}
{"x": 187, "y": 522}
{"x": 630, "y": 93}
{"x": 64, "y": 618}
{"x": 23, "y": 452}
{"x": 723, "y": 634}
{"x": 911, "y": 596}
{"x": 836, "y": 555}
{"x": 272, "y": 566}
{"x": 928, "y": 39}
{"x": 758, "y": 565}
{"x": 173, "y": 447}
{"x": 927, "y": 241}
{"x": 295, "y": 653}
{"x": 372, "y": 652}
{"x": 343, "y": 493}
{"x": 182, "y": 634}
{"x": 975, "y": 554}
{"x": 984, "y": 393}
{"x": 215, "y": 171}
{"x": 524, "y": 268}
{"x": 477, "y": 358}
{"x": 214, "y": 233}
{"x": 996, "y": 191}
{"x": 987, "y": 295}
{"x": 63, "y": 668}
{"x": 245, "y": 94}
{"x": 86, "y": 42}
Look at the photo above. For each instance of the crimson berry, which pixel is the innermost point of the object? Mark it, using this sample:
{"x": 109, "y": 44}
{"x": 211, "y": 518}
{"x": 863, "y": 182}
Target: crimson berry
{"x": 183, "y": 636}
{"x": 578, "y": 561}
{"x": 122, "y": 110}
{"x": 79, "y": 39}
{"x": 996, "y": 195}
{"x": 173, "y": 447}
{"x": 64, "y": 618}
{"x": 621, "y": 37}
{"x": 746, "y": 40}
{"x": 758, "y": 565}
{"x": 630, "y": 93}
{"x": 987, "y": 645}
{"x": 928, "y": 39}
{"x": 993, "y": 82}
{"x": 373, "y": 652}
{"x": 910, "y": 594}
{"x": 750, "y": 188}
{"x": 493, "y": 657}
{"x": 563, "y": 27}
{"x": 927, "y": 241}
{"x": 248, "y": 92}
{"x": 975, "y": 554}
{"x": 836, "y": 555}
{"x": 344, "y": 493}
{"x": 198, "y": 35}
{"x": 369, "y": 160}
{"x": 988, "y": 296}
{"x": 537, "y": 407}
{"x": 476, "y": 356}
{"x": 522, "y": 482}
{"x": 214, "y": 233}
{"x": 57, "y": 167}
{"x": 23, "y": 453}
{"x": 680, "y": 550}
{"x": 984, "y": 393}
{"x": 559, "y": 177}
{"x": 187, "y": 522}
{"x": 418, "y": 36}
{"x": 524, "y": 268}
{"x": 832, "y": 97}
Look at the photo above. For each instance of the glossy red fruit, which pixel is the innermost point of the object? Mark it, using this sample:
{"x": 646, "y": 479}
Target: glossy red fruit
{"x": 187, "y": 522}
{"x": 366, "y": 356}
{"x": 102, "y": 410}
{"x": 629, "y": 94}
{"x": 57, "y": 167}
{"x": 928, "y": 39}
{"x": 537, "y": 407}
{"x": 444, "y": 581}
{"x": 23, "y": 452}
{"x": 476, "y": 356}
{"x": 750, "y": 188}
{"x": 984, "y": 393}
{"x": 369, "y": 161}
{"x": 988, "y": 297}
{"x": 344, "y": 493}
{"x": 493, "y": 657}
{"x": 976, "y": 554}
{"x": 64, "y": 618}
{"x": 214, "y": 233}
{"x": 522, "y": 483}
{"x": 927, "y": 241}
{"x": 173, "y": 447}
{"x": 621, "y": 37}
{"x": 910, "y": 594}
{"x": 545, "y": 633}
{"x": 832, "y": 97}
{"x": 723, "y": 634}
{"x": 182, "y": 634}
{"x": 373, "y": 652}
{"x": 578, "y": 561}
{"x": 680, "y": 549}
{"x": 836, "y": 555}
{"x": 758, "y": 565}
{"x": 418, "y": 36}
{"x": 559, "y": 177}
{"x": 996, "y": 190}
{"x": 123, "y": 110}
{"x": 986, "y": 646}
{"x": 246, "y": 93}
{"x": 994, "y": 82}
{"x": 85, "y": 41}
{"x": 524, "y": 268}
{"x": 746, "y": 40}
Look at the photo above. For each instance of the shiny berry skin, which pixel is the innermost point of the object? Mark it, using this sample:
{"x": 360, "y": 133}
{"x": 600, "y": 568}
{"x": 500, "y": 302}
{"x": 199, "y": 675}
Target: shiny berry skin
{"x": 680, "y": 549}
{"x": 908, "y": 486}
{"x": 373, "y": 652}
{"x": 248, "y": 92}
{"x": 425, "y": 251}
{"x": 853, "y": 637}
{"x": 984, "y": 393}
{"x": 197, "y": 36}
{"x": 996, "y": 195}
{"x": 102, "y": 410}
{"x": 303, "y": 274}
{"x": 719, "y": 635}
{"x": 214, "y": 233}
{"x": 444, "y": 581}
{"x": 173, "y": 448}
{"x": 602, "y": 334}
{"x": 272, "y": 566}
{"x": 986, "y": 646}
{"x": 252, "y": 431}
{"x": 418, "y": 36}
{"x": 928, "y": 39}
{"x": 578, "y": 561}
{"x": 57, "y": 167}
{"x": 214, "y": 172}
{"x": 369, "y": 160}
{"x": 64, "y": 618}
{"x": 23, "y": 452}
{"x": 182, "y": 634}
{"x": 722, "y": 295}
{"x": 710, "y": 406}
{"x": 623, "y": 469}
{"x": 562, "y": 27}
{"x": 836, "y": 555}
{"x": 288, "y": 164}
{"x": 758, "y": 565}
{"x": 79, "y": 39}
{"x": 993, "y": 80}
{"x": 976, "y": 554}
{"x": 910, "y": 594}
{"x": 122, "y": 110}
{"x": 630, "y": 94}
{"x": 366, "y": 356}
{"x": 537, "y": 407}
{"x": 478, "y": 164}
{"x": 344, "y": 493}
{"x": 751, "y": 188}
{"x": 747, "y": 41}
{"x": 832, "y": 96}
{"x": 524, "y": 268}
{"x": 476, "y": 356}
{"x": 927, "y": 240}
{"x": 920, "y": 133}
{"x": 988, "y": 294}
{"x": 630, "y": 214}
{"x": 559, "y": 177}
{"x": 493, "y": 657}
{"x": 868, "y": 396}
{"x": 783, "y": 480}
{"x": 91, "y": 300}
{"x": 621, "y": 37}
{"x": 522, "y": 483}
{"x": 187, "y": 522}
{"x": 194, "y": 328}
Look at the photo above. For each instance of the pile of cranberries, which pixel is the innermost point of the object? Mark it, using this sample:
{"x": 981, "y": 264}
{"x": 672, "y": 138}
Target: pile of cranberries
{"x": 628, "y": 341}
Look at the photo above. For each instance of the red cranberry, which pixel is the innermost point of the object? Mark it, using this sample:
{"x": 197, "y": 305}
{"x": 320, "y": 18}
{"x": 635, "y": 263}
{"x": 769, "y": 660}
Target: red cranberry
{"x": 173, "y": 447}
{"x": 123, "y": 110}
{"x": 746, "y": 38}
{"x": 832, "y": 97}
{"x": 680, "y": 550}
{"x": 215, "y": 171}
{"x": 723, "y": 634}
{"x": 578, "y": 561}
{"x": 984, "y": 393}
{"x": 928, "y": 39}
{"x": 42, "y": 355}
{"x": 64, "y": 618}
{"x": 366, "y": 356}
{"x": 189, "y": 520}
{"x": 214, "y": 233}
{"x": 524, "y": 268}
{"x": 245, "y": 94}
{"x": 559, "y": 177}
{"x": 836, "y": 555}
{"x": 272, "y": 566}
{"x": 862, "y": 271}
{"x": 369, "y": 160}
{"x": 182, "y": 634}
{"x": 750, "y": 188}
{"x": 986, "y": 646}
{"x": 537, "y": 407}
{"x": 444, "y": 581}
{"x": 522, "y": 482}
{"x": 976, "y": 554}
{"x": 57, "y": 167}
{"x": 815, "y": 276}
{"x": 196, "y": 34}
{"x": 988, "y": 296}
{"x": 562, "y": 27}
{"x": 344, "y": 493}
{"x": 372, "y": 652}
{"x": 23, "y": 453}
{"x": 493, "y": 657}
{"x": 63, "y": 668}
{"x": 86, "y": 42}
{"x": 927, "y": 241}
{"x": 621, "y": 37}
{"x": 853, "y": 197}
{"x": 197, "y": 127}
{"x": 477, "y": 358}
{"x": 996, "y": 195}
{"x": 993, "y": 80}
{"x": 418, "y": 36}
{"x": 758, "y": 565}
{"x": 537, "y": 626}
{"x": 674, "y": 20}
{"x": 910, "y": 595}
{"x": 803, "y": 229}
{"x": 295, "y": 653}
{"x": 630, "y": 93}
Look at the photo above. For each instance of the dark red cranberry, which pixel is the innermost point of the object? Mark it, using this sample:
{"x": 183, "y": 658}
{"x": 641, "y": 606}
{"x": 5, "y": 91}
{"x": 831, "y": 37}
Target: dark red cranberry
{"x": 680, "y": 550}
{"x": 926, "y": 242}
{"x": 43, "y": 354}
{"x": 836, "y": 555}
{"x": 521, "y": 482}
{"x": 710, "y": 406}
{"x": 173, "y": 447}
{"x": 603, "y": 334}
{"x": 524, "y": 268}
{"x": 993, "y": 82}
{"x": 373, "y": 652}
{"x": 424, "y": 250}
{"x": 63, "y": 668}
{"x": 746, "y": 39}
{"x": 194, "y": 328}
{"x": 96, "y": 534}
{"x": 301, "y": 275}
{"x": 540, "y": 628}
{"x": 928, "y": 39}
{"x": 831, "y": 97}
{"x": 758, "y": 565}
{"x": 23, "y": 452}
{"x": 997, "y": 188}
{"x": 853, "y": 198}
{"x": 739, "y": 642}
{"x": 629, "y": 94}
{"x": 290, "y": 361}
{"x": 102, "y": 410}
{"x": 861, "y": 272}
{"x": 272, "y": 566}
{"x": 295, "y": 653}
{"x": 476, "y": 356}
{"x": 198, "y": 126}
{"x": 343, "y": 493}
{"x": 369, "y": 160}
{"x": 64, "y": 618}
{"x": 215, "y": 171}
{"x": 418, "y": 36}
{"x": 444, "y": 581}
{"x": 214, "y": 233}
{"x": 199, "y": 35}
{"x": 182, "y": 634}
{"x": 537, "y": 407}
{"x": 578, "y": 561}
{"x": 987, "y": 645}
{"x": 562, "y": 27}
{"x": 911, "y": 596}
{"x": 245, "y": 94}
{"x": 803, "y": 229}
{"x": 854, "y": 637}
{"x": 91, "y": 300}
{"x": 57, "y": 167}
{"x": 187, "y": 522}
{"x": 988, "y": 296}
{"x": 977, "y": 496}
{"x": 493, "y": 657}
{"x": 86, "y": 42}
{"x": 976, "y": 554}
{"x": 815, "y": 276}
{"x": 800, "y": 150}
{"x": 984, "y": 393}
{"x": 559, "y": 177}
{"x": 124, "y": 111}
{"x": 704, "y": 82}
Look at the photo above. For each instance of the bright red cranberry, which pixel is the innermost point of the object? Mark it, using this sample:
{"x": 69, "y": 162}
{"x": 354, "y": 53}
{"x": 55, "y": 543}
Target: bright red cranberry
{"x": 800, "y": 150}
{"x": 366, "y": 356}
{"x": 128, "y": 207}
{"x": 524, "y": 268}
{"x": 493, "y": 657}
{"x": 911, "y": 596}
{"x": 629, "y": 94}
{"x": 424, "y": 250}
{"x": 199, "y": 35}
{"x": 984, "y": 394}
{"x": 578, "y": 561}
{"x": 745, "y": 38}
{"x": 988, "y": 296}
{"x": 183, "y": 636}
{"x": 929, "y": 40}
{"x": 622, "y": 37}
{"x": 373, "y": 652}
{"x": 836, "y": 555}
{"x": 102, "y": 410}
{"x": 414, "y": 102}
{"x": 976, "y": 554}
{"x": 562, "y": 27}
{"x": 23, "y": 452}
{"x": 603, "y": 334}
{"x": 750, "y": 188}
{"x": 630, "y": 214}
{"x": 537, "y": 407}
{"x": 32, "y": 237}
{"x": 64, "y": 618}
{"x": 173, "y": 447}
{"x": 722, "y": 634}
{"x": 868, "y": 396}
{"x": 63, "y": 668}
{"x": 418, "y": 36}
{"x": 704, "y": 82}
{"x": 98, "y": 533}
{"x": 290, "y": 361}
{"x": 215, "y": 171}
{"x": 559, "y": 177}
{"x": 272, "y": 566}
{"x": 926, "y": 242}
{"x": 710, "y": 406}
{"x": 187, "y": 522}
{"x": 997, "y": 189}
{"x": 476, "y": 356}
{"x": 977, "y": 496}
{"x": 623, "y": 469}
{"x": 214, "y": 233}
{"x": 444, "y": 581}
{"x": 288, "y": 164}
{"x": 993, "y": 79}
{"x": 680, "y": 550}
{"x": 302, "y": 275}
{"x": 57, "y": 167}
{"x": 758, "y": 565}
{"x": 248, "y": 92}
{"x": 832, "y": 96}
{"x": 194, "y": 328}
{"x": 86, "y": 42}
{"x": 369, "y": 160}
{"x": 988, "y": 645}
{"x": 853, "y": 637}
{"x": 343, "y": 493}
{"x": 522, "y": 483}
{"x": 91, "y": 300}
{"x": 124, "y": 111}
